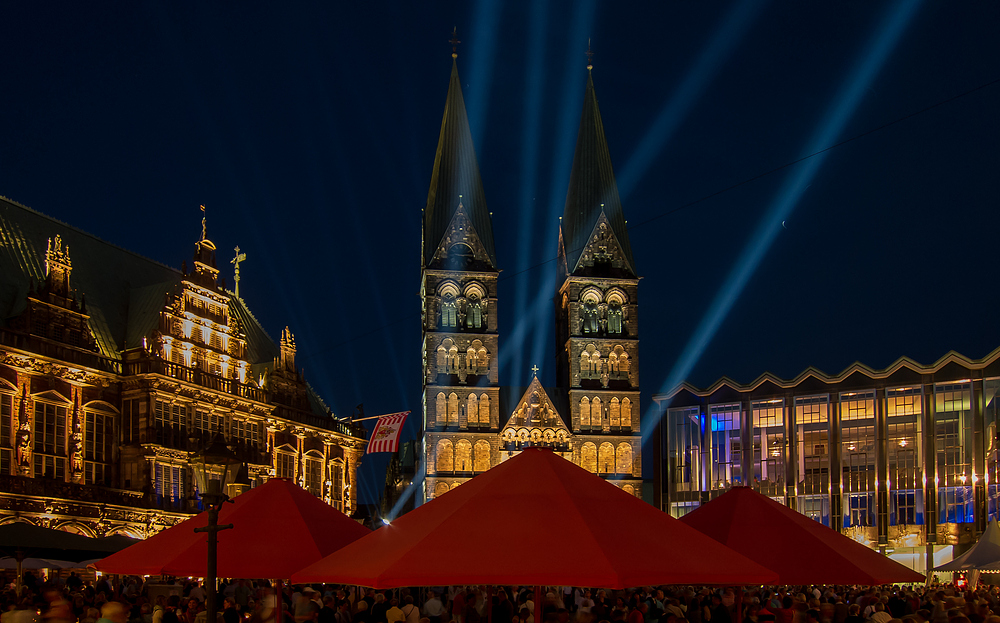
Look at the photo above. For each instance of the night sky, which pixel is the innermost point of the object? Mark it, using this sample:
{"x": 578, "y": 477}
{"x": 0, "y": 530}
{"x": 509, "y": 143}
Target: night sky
{"x": 309, "y": 129}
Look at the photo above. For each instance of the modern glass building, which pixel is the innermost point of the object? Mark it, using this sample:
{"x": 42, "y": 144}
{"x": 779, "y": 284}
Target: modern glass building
{"x": 903, "y": 459}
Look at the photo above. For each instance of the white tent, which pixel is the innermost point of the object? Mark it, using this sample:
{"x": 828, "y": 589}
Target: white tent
{"x": 983, "y": 557}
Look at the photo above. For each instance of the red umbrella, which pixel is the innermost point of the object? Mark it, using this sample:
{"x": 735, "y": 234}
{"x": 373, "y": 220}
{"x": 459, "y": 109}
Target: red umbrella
{"x": 535, "y": 519}
{"x": 799, "y": 549}
{"x": 277, "y": 529}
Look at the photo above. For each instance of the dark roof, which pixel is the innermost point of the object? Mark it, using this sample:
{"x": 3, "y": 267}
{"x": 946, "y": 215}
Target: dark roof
{"x": 592, "y": 183}
{"x": 455, "y": 173}
{"x": 104, "y": 274}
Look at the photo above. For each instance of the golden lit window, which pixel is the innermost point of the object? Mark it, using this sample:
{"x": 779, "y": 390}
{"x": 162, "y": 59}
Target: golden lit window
{"x": 588, "y": 457}
{"x": 453, "y": 409}
{"x": 440, "y": 489}
{"x": 606, "y": 458}
{"x": 484, "y": 410}
{"x": 616, "y": 413}
{"x": 441, "y": 409}
{"x": 623, "y": 458}
{"x": 463, "y": 456}
{"x": 585, "y": 412}
{"x": 445, "y": 456}
{"x": 472, "y": 409}
{"x": 481, "y": 458}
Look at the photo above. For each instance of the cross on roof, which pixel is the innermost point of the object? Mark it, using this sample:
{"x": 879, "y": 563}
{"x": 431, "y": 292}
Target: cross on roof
{"x": 535, "y": 369}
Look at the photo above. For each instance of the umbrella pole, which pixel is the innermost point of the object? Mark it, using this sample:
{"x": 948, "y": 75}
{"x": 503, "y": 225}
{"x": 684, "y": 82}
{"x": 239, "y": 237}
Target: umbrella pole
{"x": 538, "y": 604}
{"x": 279, "y": 603}
{"x": 19, "y": 556}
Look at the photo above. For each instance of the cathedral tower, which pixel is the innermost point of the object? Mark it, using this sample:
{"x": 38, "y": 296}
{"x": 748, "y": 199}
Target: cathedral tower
{"x": 458, "y": 291}
{"x": 597, "y": 328}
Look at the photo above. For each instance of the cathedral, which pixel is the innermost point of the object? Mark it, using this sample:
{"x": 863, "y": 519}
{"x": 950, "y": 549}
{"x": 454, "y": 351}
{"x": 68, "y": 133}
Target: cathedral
{"x": 115, "y": 369}
{"x": 470, "y": 422}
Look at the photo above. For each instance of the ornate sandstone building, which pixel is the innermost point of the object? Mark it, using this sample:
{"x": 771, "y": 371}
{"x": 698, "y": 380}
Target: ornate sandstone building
{"x": 592, "y": 417}
{"x": 114, "y": 368}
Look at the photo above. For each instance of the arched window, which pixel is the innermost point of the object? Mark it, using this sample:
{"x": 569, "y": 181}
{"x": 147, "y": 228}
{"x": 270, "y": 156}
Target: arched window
{"x": 440, "y": 489}
{"x": 623, "y": 363}
{"x": 481, "y": 458}
{"x": 596, "y": 364}
{"x": 484, "y": 410}
{"x": 442, "y": 360}
{"x": 453, "y": 409}
{"x": 585, "y": 412}
{"x": 626, "y": 413}
{"x": 612, "y": 363}
{"x": 623, "y": 458}
{"x": 615, "y": 318}
{"x": 472, "y": 410}
{"x": 606, "y": 458}
{"x": 453, "y": 359}
{"x": 585, "y": 365}
{"x": 590, "y": 316}
{"x": 596, "y": 413}
{"x": 484, "y": 361}
{"x": 471, "y": 361}
{"x": 616, "y": 413}
{"x": 454, "y": 485}
{"x": 588, "y": 457}
{"x": 441, "y": 409}
{"x": 629, "y": 489}
{"x": 474, "y": 315}
{"x": 463, "y": 456}
{"x": 449, "y": 311}
{"x": 445, "y": 456}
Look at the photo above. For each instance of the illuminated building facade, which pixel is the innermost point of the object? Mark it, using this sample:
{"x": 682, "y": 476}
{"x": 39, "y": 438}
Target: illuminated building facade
{"x": 905, "y": 459}
{"x": 114, "y": 368}
{"x": 470, "y": 423}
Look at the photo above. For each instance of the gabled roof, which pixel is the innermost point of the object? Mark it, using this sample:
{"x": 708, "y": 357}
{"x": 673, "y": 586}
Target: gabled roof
{"x": 535, "y": 410}
{"x": 592, "y": 190}
{"x": 901, "y": 365}
{"x": 455, "y": 174}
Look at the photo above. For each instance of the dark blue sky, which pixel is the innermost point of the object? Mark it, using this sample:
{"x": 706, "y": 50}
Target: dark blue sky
{"x": 309, "y": 132}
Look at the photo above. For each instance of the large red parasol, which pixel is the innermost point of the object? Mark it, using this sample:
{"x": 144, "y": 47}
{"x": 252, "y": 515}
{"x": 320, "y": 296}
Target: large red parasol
{"x": 536, "y": 519}
{"x": 277, "y": 528}
{"x": 798, "y": 549}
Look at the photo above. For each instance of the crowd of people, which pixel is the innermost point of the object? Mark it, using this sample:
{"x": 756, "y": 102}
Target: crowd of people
{"x": 74, "y": 600}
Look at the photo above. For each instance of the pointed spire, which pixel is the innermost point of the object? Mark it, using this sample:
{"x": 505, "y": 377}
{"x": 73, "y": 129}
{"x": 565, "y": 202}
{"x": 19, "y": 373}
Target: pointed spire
{"x": 456, "y": 173}
{"x": 592, "y": 188}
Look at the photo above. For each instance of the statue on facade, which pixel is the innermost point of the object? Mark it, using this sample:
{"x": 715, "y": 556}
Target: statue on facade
{"x": 24, "y": 448}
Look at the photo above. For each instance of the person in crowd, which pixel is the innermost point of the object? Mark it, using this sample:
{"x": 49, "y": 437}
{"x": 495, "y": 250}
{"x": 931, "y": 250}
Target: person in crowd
{"x": 410, "y": 611}
{"x": 394, "y": 614}
{"x": 433, "y": 608}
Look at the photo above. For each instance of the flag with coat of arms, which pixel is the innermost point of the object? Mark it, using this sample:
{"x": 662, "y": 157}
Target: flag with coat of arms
{"x": 385, "y": 437}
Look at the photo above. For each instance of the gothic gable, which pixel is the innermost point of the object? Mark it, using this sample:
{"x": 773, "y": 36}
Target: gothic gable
{"x": 603, "y": 252}
{"x": 535, "y": 420}
{"x": 461, "y": 247}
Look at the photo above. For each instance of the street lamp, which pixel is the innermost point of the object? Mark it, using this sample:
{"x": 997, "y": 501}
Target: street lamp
{"x": 214, "y": 467}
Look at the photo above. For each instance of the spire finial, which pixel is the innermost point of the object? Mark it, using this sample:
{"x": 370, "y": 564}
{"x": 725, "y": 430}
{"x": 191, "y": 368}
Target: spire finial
{"x": 236, "y": 262}
{"x": 203, "y": 236}
{"x": 590, "y": 55}
{"x": 535, "y": 370}
{"x": 454, "y": 42}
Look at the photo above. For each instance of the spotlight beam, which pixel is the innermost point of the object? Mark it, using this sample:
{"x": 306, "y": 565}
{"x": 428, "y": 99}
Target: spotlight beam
{"x": 698, "y": 77}
{"x": 844, "y": 105}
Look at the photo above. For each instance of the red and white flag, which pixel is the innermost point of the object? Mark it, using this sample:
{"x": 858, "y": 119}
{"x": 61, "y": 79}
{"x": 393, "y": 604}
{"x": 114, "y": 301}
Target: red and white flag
{"x": 385, "y": 437}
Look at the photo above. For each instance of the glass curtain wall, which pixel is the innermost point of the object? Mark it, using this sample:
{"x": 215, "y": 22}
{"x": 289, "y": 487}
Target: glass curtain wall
{"x": 857, "y": 422}
{"x": 812, "y": 424}
{"x": 684, "y": 438}
{"x": 769, "y": 448}
{"x": 952, "y": 433}
{"x": 991, "y": 442}
{"x": 904, "y": 446}
{"x": 726, "y": 447}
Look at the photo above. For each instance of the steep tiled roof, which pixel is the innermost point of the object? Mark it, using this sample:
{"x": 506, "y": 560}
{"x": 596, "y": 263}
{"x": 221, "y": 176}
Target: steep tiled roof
{"x": 591, "y": 184}
{"x": 456, "y": 172}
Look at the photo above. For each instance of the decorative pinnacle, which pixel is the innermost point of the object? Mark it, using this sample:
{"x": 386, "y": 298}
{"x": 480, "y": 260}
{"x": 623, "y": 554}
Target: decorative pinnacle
{"x": 590, "y": 56}
{"x": 535, "y": 369}
{"x": 454, "y": 42}
{"x": 203, "y": 222}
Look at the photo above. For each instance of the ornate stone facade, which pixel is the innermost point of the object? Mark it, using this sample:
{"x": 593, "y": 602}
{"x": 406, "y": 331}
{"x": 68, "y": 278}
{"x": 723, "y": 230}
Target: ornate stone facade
{"x": 102, "y": 400}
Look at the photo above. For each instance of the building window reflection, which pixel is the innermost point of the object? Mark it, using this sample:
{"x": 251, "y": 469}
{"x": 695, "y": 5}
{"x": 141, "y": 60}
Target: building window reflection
{"x": 857, "y": 412}
{"x": 727, "y": 449}
{"x": 769, "y": 448}
{"x": 812, "y": 422}
{"x": 991, "y": 415}
{"x": 904, "y": 447}
{"x": 952, "y": 435}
